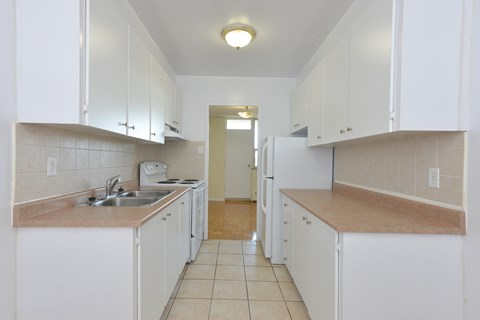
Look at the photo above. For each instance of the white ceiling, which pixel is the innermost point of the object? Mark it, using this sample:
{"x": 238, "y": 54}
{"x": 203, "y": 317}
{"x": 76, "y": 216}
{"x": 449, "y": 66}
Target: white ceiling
{"x": 288, "y": 33}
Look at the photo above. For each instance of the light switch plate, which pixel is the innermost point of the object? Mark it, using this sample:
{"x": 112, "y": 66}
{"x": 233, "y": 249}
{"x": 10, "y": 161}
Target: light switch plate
{"x": 434, "y": 178}
{"x": 52, "y": 167}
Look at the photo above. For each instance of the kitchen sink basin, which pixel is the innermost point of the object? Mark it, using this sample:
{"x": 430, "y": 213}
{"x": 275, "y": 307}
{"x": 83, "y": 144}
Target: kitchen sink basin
{"x": 146, "y": 193}
{"x": 126, "y": 202}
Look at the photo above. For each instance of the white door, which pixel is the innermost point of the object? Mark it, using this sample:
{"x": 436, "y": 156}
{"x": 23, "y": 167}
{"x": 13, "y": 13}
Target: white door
{"x": 239, "y": 159}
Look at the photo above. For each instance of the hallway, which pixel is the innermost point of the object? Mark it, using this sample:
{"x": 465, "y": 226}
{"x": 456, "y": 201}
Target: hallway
{"x": 232, "y": 220}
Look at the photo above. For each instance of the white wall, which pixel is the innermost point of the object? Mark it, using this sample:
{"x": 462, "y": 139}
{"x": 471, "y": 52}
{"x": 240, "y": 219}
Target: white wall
{"x": 271, "y": 95}
{"x": 472, "y": 239}
{"x": 7, "y": 118}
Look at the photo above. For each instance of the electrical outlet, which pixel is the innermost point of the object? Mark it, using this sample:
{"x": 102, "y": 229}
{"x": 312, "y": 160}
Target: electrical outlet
{"x": 434, "y": 178}
{"x": 52, "y": 166}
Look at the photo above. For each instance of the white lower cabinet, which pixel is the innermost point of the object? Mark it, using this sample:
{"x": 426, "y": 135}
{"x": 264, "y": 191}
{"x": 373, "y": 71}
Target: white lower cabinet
{"x": 372, "y": 276}
{"x": 100, "y": 273}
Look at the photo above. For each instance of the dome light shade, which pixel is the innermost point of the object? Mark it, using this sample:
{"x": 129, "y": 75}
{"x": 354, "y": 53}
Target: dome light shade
{"x": 247, "y": 114}
{"x": 238, "y": 36}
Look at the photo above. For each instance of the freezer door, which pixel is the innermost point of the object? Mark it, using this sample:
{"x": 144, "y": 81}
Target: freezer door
{"x": 267, "y": 211}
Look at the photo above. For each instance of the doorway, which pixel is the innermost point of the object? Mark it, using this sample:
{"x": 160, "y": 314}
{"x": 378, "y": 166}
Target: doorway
{"x": 232, "y": 173}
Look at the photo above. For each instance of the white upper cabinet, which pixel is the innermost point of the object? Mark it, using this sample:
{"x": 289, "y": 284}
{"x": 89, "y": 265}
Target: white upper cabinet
{"x": 170, "y": 103}
{"x": 106, "y": 97}
{"x": 315, "y": 104}
{"x": 299, "y": 108}
{"x": 138, "y": 119}
{"x": 395, "y": 68}
{"x": 157, "y": 102}
{"x": 82, "y": 63}
{"x": 336, "y": 91}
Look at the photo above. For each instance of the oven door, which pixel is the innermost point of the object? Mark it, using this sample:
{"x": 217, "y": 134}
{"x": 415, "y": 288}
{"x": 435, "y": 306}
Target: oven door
{"x": 198, "y": 218}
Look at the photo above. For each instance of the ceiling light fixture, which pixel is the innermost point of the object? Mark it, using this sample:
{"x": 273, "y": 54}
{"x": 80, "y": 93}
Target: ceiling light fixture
{"x": 246, "y": 114}
{"x": 238, "y": 35}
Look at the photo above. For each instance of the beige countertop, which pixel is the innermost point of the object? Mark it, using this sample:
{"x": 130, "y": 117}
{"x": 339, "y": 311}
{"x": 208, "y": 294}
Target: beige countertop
{"x": 62, "y": 212}
{"x": 345, "y": 213}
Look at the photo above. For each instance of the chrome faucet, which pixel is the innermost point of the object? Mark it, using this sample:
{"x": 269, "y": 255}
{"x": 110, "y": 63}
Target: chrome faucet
{"x": 110, "y": 184}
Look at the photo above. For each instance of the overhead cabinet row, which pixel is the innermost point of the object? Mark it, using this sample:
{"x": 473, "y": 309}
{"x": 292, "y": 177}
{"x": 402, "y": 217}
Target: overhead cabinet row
{"x": 387, "y": 66}
{"x": 91, "y": 67}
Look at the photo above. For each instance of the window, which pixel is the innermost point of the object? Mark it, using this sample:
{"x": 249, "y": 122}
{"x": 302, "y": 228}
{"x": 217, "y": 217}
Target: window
{"x": 236, "y": 124}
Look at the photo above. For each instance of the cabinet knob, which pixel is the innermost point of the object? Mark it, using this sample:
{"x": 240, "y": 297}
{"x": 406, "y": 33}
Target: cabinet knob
{"x": 285, "y": 222}
{"x": 164, "y": 219}
{"x": 318, "y": 137}
{"x": 132, "y": 127}
{"x": 285, "y": 259}
{"x": 169, "y": 214}
{"x": 349, "y": 129}
{"x": 309, "y": 222}
{"x": 285, "y": 240}
{"x": 285, "y": 204}
{"x": 153, "y": 134}
{"x": 304, "y": 218}
{"x": 342, "y": 131}
{"x": 123, "y": 124}
{"x": 182, "y": 202}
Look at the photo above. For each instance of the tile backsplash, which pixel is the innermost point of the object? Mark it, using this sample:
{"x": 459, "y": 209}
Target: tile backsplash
{"x": 85, "y": 161}
{"x": 400, "y": 165}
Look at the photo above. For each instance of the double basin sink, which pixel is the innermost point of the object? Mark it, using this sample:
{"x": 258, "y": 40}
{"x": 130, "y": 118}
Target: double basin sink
{"x": 138, "y": 198}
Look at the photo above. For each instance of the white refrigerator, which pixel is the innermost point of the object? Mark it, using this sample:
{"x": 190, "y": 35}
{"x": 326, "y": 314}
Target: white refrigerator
{"x": 288, "y": 163}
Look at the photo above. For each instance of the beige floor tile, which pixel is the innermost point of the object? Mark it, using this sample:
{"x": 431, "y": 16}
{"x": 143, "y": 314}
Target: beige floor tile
{"x": 252, "y": 250}
{"x": 260, "y": 290}
{"x": 208, "y": 248}
{"x": 256, "y": 260}
{"x": 200, "y": 272}
{"x": 282, "y": 274}
{"x": 230, "y": 289}
{"x": 289, "y": 291}
{"x": 260, "y": 274}
{"x": 230, "y": 259}
{"x": 229, "y": 310}
{"x": 230, "y": 242}
{"x": 251, "y": 243}
{"x": 166, "y": 310}
{"x": 211, "y": 241}
{"x": 195, "y": 289}
{"x": 190, "y": 309}
{"x": 205, "y": 258}
{"x": 230, "y": 273}
{"x": 298, "y": 310}
{"x": 231, "y": 248}
{"x": 268, "y": 310}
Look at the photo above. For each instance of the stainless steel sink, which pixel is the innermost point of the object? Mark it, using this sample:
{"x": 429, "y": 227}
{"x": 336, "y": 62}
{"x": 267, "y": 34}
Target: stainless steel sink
{"x": 126, "y": 202}
{"x": 146, "y": 193}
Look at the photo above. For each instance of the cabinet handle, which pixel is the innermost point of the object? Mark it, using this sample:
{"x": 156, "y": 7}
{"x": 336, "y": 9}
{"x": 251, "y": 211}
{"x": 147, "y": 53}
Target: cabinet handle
{"x": 182, "y": 202}
{"x": 123, "y": 124}
{"x": 349, "y": 129}
{"x": 304, "y": 218}
{"x": 285, "y": 222}
{"x": 285, "y": 259}
{"x": 342, "y": 131}
{"x": 169, "y": 214}
{"x": 164, "y": 219}
{"x": 132, "y": 127}
{"x": 285, "y": 204}
{"x": 285, "y": 240}
{"x": 318, "y": 137}
{"x": 153, "y": 134}
{"x": 309, "y": 222}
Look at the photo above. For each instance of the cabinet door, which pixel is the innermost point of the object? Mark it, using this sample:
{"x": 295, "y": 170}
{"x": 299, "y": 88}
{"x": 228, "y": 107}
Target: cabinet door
{"x": 172, "y": 247}
{"x": 288, "y": 233}
{"x": 157, "y": 102}
{"x": 300, "y": 107}
{"x": 336, "y": 91}
{"x": 300, "y": 248}
{"x": 320, "y": 295}
{"x": 138, "y": 120}
{"x": 152, "y": 296}
{"x": 108, "y": 67}
{"x": 170, "y": 108}
{"x": 315, "y": 105}
{"x": 370, "y": 65}
{"x": 185, "y": 231}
